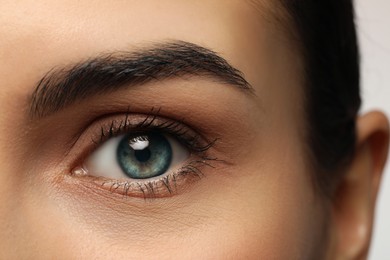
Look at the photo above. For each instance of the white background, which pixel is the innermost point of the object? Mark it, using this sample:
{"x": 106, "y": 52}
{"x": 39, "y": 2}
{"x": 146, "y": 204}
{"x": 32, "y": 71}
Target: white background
{"x": 373, "y": 21}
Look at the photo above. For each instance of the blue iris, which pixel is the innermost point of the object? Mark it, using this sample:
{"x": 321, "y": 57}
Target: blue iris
{"x": 144, "y": 156}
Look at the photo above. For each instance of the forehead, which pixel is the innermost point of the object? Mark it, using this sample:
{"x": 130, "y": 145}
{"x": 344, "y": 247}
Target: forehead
{"x": 45, "y": 34}
{"x": 41, "y": 35}
{"x": 64, "y": 30}
{"x": 134, "y": 21}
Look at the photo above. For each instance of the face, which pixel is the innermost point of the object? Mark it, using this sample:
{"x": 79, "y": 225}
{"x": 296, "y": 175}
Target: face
{"x": 176, "y": 160}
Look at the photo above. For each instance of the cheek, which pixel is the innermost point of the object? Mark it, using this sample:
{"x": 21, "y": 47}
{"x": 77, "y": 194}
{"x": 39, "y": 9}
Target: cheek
{"x": 269, "y": 213}
{"x": 272, "y": 211}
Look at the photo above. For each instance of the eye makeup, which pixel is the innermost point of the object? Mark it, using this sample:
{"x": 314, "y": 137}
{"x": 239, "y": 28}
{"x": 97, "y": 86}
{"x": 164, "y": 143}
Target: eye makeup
{"x": 168, "y": 184}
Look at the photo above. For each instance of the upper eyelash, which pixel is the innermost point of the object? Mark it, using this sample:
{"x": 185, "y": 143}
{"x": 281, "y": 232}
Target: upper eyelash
{"x": 174, "y": 128}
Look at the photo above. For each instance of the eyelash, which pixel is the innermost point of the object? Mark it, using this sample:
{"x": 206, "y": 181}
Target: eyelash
{"x": 163, "y": 186}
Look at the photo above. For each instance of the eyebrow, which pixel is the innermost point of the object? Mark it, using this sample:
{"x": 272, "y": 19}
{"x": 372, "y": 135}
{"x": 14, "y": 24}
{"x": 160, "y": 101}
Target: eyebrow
{"x": 105, "y": 73}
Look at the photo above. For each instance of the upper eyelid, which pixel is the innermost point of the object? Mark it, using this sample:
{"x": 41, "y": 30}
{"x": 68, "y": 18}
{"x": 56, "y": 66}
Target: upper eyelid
{"x": 154, "y": 122}
{"x": 93, "y": 131}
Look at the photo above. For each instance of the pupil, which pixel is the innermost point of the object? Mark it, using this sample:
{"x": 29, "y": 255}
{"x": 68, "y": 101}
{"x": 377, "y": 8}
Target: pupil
{"x": 142, "y": 155}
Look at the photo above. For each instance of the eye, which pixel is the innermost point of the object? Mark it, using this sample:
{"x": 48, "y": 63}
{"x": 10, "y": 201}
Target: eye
{"x": 137, "y": 156}
{"x": 146, "y": 156}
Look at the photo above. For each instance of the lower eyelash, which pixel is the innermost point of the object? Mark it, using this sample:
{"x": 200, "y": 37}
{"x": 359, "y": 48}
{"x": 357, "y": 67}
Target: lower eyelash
{"x": 164, "y": 186}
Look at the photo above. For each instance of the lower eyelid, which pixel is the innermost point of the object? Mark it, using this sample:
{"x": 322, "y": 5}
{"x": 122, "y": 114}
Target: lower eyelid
{"x": 161, "y": 187}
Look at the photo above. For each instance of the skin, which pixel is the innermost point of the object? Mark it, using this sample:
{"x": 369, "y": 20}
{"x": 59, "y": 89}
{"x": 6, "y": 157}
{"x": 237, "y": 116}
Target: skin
{"x": 260, "y": 203}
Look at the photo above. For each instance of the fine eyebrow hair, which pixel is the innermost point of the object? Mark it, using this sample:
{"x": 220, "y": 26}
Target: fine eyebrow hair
{"x": 106, "y": 73}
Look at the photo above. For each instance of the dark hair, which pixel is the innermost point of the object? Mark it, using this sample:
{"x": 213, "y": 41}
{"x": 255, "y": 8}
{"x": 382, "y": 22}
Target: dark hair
{"x": 327, "y": 37}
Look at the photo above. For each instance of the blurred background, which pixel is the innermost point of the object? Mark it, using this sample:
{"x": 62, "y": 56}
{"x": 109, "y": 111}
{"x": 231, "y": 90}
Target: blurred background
{"x": 373, "y": 21}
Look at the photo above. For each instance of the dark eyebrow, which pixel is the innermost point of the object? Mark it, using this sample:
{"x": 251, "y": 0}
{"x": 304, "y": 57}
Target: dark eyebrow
{"x": 105, "y": 73}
